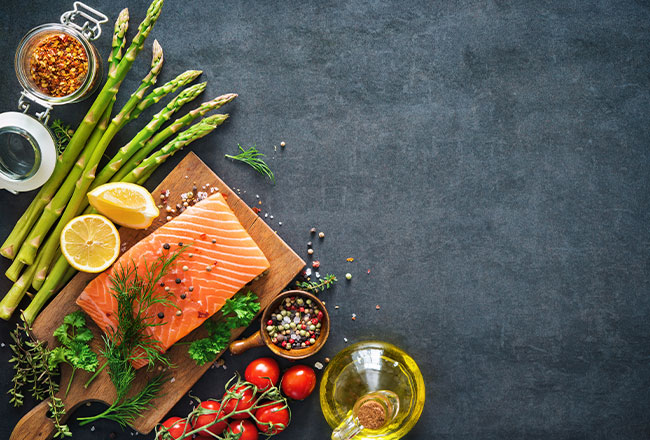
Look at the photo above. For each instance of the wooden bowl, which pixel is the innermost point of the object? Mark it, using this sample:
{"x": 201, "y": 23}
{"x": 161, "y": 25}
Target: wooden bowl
{"x": 261, "y": 337}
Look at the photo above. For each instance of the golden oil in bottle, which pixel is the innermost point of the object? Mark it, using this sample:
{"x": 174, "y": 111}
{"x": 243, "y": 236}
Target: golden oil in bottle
{"x": 372, "y": 390}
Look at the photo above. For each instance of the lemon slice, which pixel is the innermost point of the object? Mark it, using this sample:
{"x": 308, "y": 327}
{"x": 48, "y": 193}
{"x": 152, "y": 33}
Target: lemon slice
{"x": 90, "y": 243}
{"x": 126, "y": 204}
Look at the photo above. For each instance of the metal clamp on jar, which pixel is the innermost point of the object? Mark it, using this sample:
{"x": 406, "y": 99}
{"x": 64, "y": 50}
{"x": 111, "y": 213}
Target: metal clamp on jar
{"x": 27, "y": 147}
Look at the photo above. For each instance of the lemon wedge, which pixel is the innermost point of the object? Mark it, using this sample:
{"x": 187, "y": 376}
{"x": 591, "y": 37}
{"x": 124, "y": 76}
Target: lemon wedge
{"x": 126, "y": 204}
{"x": 90, "y": 243}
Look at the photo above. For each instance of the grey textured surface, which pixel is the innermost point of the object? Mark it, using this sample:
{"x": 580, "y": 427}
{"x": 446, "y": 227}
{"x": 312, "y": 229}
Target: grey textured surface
{"x": 488, "y": 162}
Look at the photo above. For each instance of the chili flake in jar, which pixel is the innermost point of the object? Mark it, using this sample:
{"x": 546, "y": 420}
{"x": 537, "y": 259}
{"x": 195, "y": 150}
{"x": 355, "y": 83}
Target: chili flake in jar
{"x": 58, "y": 65}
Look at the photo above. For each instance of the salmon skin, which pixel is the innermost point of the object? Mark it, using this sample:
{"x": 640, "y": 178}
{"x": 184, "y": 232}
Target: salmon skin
{"x": 220, "y": 258}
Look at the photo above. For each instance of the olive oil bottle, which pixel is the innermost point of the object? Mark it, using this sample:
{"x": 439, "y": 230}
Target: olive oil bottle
{"x": 371, "y": 390}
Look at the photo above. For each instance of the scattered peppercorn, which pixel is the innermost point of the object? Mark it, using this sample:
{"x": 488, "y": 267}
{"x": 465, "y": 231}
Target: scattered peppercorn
{"x": 321, "y": 235}
{"x": 185, "y": 268}
{"x": 214, "y": 240}
{"x": 312, "y": 231}
{"x": 166, "y": 246}
{"x": 183, "y": 296}
{"x": 180, "y": 243}
{"x": 178, "y": 313}
{"x": 161, "y": 315}
{"x": 315, "y": 264}
{"x": 283, "y": 144}
{"x": 310, "y": 251}
{"x": 191, "y": 288}
{"x": 348, "y": 276}
{"x": 309, "y": 244}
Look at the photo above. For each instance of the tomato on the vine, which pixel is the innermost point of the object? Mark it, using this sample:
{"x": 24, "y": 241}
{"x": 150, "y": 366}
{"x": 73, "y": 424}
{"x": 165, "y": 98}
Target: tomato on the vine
{"x": 208, "y": 419}
{"x": 298, "y": 382}
{"x": 277, "y": 415}
{"x": 176, "y": 427}
{"x": 242, "y": 401}
{"x": 263, "y": 373}
{"x": 245, "y": 427}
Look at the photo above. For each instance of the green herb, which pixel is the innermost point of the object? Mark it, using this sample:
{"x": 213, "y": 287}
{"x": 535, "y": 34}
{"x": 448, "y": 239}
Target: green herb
{"x": 30, "y": 359}
{"x": 74, "y": 336}
{"x": 125, "y": 412}
{"x": 317, "y": 286}
{"x": 238, "y": 311}
{"x": 63, "y": 133}
{"x": 253, "y": 158}
{"x": 129, "y": 342}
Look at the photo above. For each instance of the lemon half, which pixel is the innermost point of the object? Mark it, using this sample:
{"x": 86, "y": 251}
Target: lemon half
{"x": 126, "y": 204}
{"x": 90, "y": 243}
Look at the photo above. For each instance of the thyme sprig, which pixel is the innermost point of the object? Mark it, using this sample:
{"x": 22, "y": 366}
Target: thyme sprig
{"x": 62, "y": 133}
{"x": 235, "y": 390}
{"x": 129, "y": 341}
{"x": 31, "y": 370}
{"x": 253, "y": 158}
{"x": 318, "y": 286}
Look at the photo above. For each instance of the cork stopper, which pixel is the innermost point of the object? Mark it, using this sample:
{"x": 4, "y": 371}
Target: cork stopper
{"x": 371, "y": 415}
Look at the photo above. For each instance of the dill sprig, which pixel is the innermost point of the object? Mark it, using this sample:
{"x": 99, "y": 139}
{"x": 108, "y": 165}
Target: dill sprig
{"x": 124, "y": 412}
{"x": 253, "y": 158}
{"x": 135, "y": 295}
{"x": 62, "y": 133}
{"x": 317, "y": 286}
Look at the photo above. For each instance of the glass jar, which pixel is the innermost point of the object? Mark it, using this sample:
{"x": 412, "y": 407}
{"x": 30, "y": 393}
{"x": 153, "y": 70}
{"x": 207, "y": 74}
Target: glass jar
{"x": 25, "y": 55}
{"x": 27, "y": 146}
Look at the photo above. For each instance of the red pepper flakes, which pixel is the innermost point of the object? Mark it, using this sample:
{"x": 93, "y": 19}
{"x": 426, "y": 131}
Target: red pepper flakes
{"x": 203, "y": 314}
{"x": 349, "y": 260}
{"x": 202, "y": 236}
{"x": 256, "y": 210}
{"x": 315, "y": 264}
{"x": 377, "y": 307}
{"x": 59, "y": 65}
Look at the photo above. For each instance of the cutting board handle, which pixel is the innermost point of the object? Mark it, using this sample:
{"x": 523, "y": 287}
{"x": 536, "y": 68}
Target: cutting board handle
{"x": 242, "y": 345}
{"x": 35, "y": 425}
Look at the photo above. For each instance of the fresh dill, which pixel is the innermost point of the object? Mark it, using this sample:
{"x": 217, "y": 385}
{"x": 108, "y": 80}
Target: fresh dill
{"x": 318, "y": 286}
{"x": 253, "y": 158}
{"x": 129, "y": 341}
{"x": 62, "y": 133}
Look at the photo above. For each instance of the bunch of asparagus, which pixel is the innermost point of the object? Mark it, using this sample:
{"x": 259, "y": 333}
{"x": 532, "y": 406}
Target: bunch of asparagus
{"x": 33, "y": 244}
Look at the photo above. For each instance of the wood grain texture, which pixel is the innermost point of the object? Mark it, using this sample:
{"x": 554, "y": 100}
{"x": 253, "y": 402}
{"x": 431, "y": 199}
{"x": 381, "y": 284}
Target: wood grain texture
{"x": 284, "y": 266}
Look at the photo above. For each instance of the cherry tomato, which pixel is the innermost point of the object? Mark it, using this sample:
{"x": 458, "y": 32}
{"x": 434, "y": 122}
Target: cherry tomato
{"x": 176, "y": 427}
{"x": 207, "y": 419}
{"x": 298, "y": 382}
{"x": 263, "y": 373}
{"x": 245, "y": 427}
{"x": 240, "y": 402}
{"x": 276, "y": 414}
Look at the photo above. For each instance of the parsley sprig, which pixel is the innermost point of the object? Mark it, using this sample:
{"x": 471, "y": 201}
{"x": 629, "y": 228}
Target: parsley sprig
{"x": 74, "y": 337}
{"x": 238, "y": 311}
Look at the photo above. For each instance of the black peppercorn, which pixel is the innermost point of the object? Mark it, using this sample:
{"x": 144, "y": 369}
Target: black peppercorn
{"x": 166, "y": 246}
{"x": 161, "y": 315}
{"x": 178, "y": 280}
{"x": 183, "y": 296}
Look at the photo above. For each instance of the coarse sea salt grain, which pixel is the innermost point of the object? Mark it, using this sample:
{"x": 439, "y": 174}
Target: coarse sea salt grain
{"x": 318, "y": 365}
{"x": 307, "y": 272}
{"x": 345, "y": 339}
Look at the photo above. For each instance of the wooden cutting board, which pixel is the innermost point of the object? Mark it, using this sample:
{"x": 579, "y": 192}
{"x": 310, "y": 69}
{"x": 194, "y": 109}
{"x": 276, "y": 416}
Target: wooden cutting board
{"x": 285, "y": 265}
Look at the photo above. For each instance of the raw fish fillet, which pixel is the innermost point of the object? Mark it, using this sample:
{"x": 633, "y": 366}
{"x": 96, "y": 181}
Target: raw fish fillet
{"x": 221, "y": 259}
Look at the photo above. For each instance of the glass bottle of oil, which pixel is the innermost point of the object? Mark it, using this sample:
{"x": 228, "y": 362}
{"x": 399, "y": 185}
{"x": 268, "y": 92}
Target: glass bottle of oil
{"x": 371, "y": 390}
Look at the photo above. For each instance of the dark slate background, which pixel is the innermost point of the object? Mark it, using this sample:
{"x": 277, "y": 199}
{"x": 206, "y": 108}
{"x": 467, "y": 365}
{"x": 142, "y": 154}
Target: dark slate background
{"x": 487, "y": 161}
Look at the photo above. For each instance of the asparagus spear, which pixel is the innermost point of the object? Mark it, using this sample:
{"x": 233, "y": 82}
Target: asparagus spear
{"x": 145, "y": 134}
{"x": 193, "y": 133}
{"x": 91, "y": 155}
{"x": 170, "y": 130}
{"x": 13, "y": 297}
{"x": 61, "y": 270}
{"x": 82, "y": 183}
{"x": 121, "y": 25}
{"x": 66, "y": 161}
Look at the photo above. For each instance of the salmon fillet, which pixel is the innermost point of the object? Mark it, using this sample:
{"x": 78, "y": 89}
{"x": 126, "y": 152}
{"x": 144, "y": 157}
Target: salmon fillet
{"x": 220, "y": 260}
